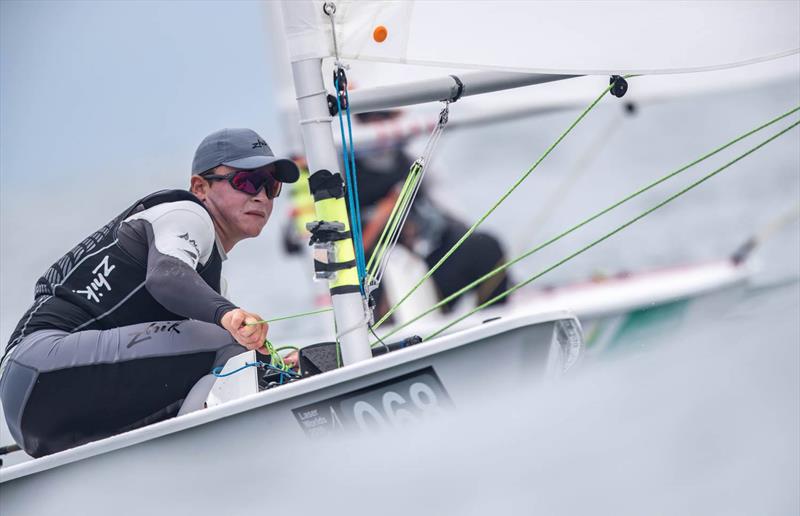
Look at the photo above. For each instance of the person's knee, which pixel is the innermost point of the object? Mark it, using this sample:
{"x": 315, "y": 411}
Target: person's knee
{"x": 485, "y": 252}
{"x": 490, "y": 247}
{"x": 226, "y": 346}
{"x": 15, "y": 386}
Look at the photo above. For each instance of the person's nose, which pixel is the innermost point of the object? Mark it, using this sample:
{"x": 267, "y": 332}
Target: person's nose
{"x": 261, "y": 195}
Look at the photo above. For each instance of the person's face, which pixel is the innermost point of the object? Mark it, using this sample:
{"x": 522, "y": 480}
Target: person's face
{"x": 236, "y": 214}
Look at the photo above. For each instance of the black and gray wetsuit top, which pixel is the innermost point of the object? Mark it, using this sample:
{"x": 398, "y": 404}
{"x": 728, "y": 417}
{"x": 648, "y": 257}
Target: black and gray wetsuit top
{"x": 157, "y": 261}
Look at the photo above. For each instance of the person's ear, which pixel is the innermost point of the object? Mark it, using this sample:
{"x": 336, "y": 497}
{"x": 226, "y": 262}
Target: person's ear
{"x": 199, "y": 187}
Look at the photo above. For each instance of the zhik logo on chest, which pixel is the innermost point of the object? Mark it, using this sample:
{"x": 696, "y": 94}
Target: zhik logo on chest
{"x": 94, "y": 290}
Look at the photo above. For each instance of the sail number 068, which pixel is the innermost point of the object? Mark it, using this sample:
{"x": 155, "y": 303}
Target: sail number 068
{"x": 395, "y": 409}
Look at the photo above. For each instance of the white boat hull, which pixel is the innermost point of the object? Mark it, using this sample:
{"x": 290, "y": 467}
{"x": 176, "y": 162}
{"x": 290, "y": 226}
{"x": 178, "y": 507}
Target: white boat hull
{"x": 210, "y": 454}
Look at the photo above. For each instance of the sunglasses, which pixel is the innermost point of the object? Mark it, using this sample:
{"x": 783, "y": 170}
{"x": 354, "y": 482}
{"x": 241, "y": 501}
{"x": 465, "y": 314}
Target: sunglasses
{"x": 250, "y": 182}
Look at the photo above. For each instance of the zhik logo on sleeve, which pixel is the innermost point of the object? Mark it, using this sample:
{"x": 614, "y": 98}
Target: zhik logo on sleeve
{"x": 193, "y": 255}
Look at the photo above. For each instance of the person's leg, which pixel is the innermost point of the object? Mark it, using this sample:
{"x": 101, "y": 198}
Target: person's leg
{"x": 477, "y": 255}
{"x": 489, "y": 255}
{"x": 70, "y": 389}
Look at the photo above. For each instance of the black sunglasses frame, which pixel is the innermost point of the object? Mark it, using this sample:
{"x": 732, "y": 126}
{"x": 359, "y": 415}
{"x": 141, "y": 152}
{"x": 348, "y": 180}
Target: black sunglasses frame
{"x": 229, "y": 177}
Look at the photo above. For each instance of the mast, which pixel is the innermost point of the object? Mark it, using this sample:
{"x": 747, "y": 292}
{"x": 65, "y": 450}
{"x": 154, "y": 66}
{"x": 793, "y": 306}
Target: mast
{"x": 349, "y": 310}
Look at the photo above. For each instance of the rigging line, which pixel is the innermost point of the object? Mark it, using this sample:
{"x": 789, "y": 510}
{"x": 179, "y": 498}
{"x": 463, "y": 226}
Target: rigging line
{"x": 579, "y": 168}
{"x": 329, "y": 8}
{"x": 390, "y": 220}
{"x": 400, "y": 207}
{"x": 397, "y": 231}
{"x": 387, "y": 236}
{"x": 359, "y": 245}
{"x": 408, "y": 193}
{"x": 402, "y": 217}
{"x": 777, "y": 224}
{"x": 590, "y": 219}
{"x": 614, "y": 232}
{"x": 397, "y": 219}
{"x": 389, "y": 227}
{"x": 293, "y": 316}
{"x": 354, "y": 228}
{"x": 217, "y": 371}
{"x": 496, "y": 204}
{"x": 380, "y": 341}
{"x": 744, "y": 251}
{"x": 423, "y": 161}
{"x": 275, "y": 360}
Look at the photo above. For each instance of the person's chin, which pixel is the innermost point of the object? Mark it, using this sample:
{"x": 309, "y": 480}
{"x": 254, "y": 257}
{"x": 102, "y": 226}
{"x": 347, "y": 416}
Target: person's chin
{"x": 252, "y": 230}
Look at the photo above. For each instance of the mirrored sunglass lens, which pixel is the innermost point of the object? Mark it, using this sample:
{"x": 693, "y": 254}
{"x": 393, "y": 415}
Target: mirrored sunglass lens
{"x": 251, "y": 182}
{"x": 273, "y": 187}
{"x": 247, "y": 182}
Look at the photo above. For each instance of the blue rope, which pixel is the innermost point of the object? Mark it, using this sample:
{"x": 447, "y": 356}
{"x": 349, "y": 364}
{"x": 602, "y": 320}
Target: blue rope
{"x": 352, "y": 188}
{"x": 217, "y": 371}
{"x": 353, "y": 171}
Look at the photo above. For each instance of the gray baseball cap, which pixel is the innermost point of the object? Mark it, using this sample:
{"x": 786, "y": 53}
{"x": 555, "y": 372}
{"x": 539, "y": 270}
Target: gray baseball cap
{"x": 242, "y": 149}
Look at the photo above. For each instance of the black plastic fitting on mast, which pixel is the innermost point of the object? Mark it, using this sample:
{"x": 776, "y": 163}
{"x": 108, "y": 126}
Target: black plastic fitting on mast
{"x": 332, "y": 108}
{"x": 340, "y": 80}
{"x": 459, "y": 91}
{"x": 619, "y": 86}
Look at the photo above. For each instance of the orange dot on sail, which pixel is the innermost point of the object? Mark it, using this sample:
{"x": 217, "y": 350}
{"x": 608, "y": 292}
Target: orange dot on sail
{"x": 380, "y": 33}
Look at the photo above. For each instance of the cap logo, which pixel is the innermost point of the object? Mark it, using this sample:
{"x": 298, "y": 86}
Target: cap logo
{"x": 259, "y": 143}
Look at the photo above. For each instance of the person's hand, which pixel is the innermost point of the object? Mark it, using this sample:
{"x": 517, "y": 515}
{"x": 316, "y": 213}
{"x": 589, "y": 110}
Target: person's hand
{"x": 291, "y": 359}
{"x": 239, "y": 324}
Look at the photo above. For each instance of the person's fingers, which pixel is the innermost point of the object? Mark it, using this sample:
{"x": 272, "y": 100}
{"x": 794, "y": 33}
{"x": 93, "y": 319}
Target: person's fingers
{"x": 259, "y": 335}
{"x": 247, "y": 329}
{"x": 253, "y": 332}
{"x": 291, "y": 359}
{"x": 237, "y": 318}
{"x": 250, "y": 343}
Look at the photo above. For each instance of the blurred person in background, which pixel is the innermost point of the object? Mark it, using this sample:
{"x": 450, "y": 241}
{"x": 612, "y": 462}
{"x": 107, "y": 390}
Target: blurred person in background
{"x": 429, "y": 232}
{"x": 130, "y": 320}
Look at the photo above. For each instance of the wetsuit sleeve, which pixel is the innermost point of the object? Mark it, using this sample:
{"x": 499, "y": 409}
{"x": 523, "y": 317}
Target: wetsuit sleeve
{"x": 182, "y": 229}
{"x": 179, "y": 238}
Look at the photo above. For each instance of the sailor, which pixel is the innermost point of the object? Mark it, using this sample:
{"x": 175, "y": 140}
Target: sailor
{"x": 125, "y": 324}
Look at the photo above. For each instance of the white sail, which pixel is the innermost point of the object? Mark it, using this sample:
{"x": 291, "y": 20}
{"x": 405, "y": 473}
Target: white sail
{"x": 313, "y": 37}
{"x": 565, "y": 37}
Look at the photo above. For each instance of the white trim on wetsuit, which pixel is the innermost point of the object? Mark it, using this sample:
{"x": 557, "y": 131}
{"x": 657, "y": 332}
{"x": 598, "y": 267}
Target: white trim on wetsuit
{"x": 181, "y": 229}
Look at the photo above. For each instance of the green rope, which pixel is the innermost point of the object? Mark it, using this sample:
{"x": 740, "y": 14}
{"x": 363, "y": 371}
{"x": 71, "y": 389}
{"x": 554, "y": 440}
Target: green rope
{"x": 395, "y": 218}
{"x": 494, "y": 207}
{"x": 612, "y": 233}
{"x": 303, "y": 314}
{"x": 294, "y": 316}
{"x": 275, "y": 358}
{"x": 400, "y": 211}
{"x": 587, "y": 221}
